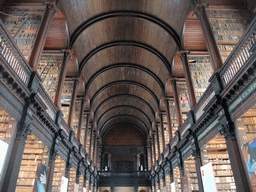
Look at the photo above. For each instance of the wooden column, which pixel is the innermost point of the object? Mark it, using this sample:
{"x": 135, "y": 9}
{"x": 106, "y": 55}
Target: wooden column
{"x": 80, "y": 123}
{"x": 158, "y": 140}
{"x": 191, "y": 92}
{"x": 152, "y": 152}
{"x": 51, "y": 165}
{"x": 13, "y": 165}
{"x": 41, "y": 36}
{"x": 61, "y": 80}
{"x": 23, "y": 130}
{"x": 177, "y": 102}
{"x": 211, "y": 44}
{"x": 92, "y": 145}
{"x": 162, "y": 129}
{"x": 198, "y": 161}
{"x": 168, "y": 117}
{"x": 72, "y": 103}
{"x": 154, "y": 146}
{"x": 84, "y": 182}
{"x": 95, "y": 149}
{"x": 86, "y": 130}
{"x": 236, "y": 159}
{"x": 90, "y": 142}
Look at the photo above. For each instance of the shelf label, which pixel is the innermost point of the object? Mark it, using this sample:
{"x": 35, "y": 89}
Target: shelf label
{"x": 207, "y": 174}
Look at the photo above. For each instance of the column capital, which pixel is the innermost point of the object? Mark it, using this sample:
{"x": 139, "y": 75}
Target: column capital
{"x": 228, "y": 131}
{"x": 66, "y": 53}
{"x": 25, "y": 130}
{"x": 184, "y": 53}
{"x": 52, "y": 6}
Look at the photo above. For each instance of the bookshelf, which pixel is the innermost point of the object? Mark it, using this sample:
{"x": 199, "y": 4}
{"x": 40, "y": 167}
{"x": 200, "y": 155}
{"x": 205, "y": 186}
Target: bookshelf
{"x": 215, "y": 151}
{"x": 66, "y": 98}
{"x": 201, "y": 71}
{"x": 76, "y": 116}
{"x": 34, "y": 152}
{"x": 156, "y": 148}
{"x": 184, "y": 99}
{"x": 166, "y": 129}
{"x": 190, "y": 170}
{"x": 83, "y": 130}
{"x": 72, "y": 179}
{"x": 167, "y": 177}
{"x": 176, "y": 176}
{"x": 7, "y": 126}
{"x": 59, "y": 171}
{"x": 23, "y": 24}
{"x": 228, "y": 25}
{"x": 49, "y": 69}
{"x": 81, "y": 181}
{"x": 174, "y": 121}
{"x": 160, "y": 138}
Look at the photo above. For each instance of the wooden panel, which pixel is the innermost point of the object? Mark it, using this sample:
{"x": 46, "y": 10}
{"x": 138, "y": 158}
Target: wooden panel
{"x": 57, "y": 33}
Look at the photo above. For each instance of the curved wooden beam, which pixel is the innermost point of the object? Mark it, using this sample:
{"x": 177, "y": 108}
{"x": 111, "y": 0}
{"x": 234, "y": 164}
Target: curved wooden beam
{"x": 135, "y": 14}
{"x": 125, "y": 82}
{"x": 125, "y": 95}
{"x": 131, "y": 65}
{"x": 123, "y": 106}
{"x": 126, "y": 43}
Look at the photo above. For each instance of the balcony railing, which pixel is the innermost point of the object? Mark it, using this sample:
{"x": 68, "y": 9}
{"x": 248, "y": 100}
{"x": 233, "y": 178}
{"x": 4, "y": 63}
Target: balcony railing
{"x": 240, "y": 56}
{"x": 13, "y": 56}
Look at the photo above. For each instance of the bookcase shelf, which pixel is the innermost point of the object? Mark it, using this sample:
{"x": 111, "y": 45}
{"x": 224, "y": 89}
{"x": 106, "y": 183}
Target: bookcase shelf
{"x": 215, "y": 151}
{"x": 49, "y": 69}
{"x": 23, "y": 23}
{"x": 34, "y": 152}
{"x": 228, "y": 25}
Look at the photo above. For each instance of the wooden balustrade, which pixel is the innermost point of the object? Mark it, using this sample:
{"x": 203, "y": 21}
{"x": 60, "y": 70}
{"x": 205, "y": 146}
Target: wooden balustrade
{"x": 240, "y": 56}
{"x": 13, "y": 56}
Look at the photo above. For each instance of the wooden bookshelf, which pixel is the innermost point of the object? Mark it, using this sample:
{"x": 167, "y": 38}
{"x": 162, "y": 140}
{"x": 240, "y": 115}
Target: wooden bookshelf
{"x": 49, "y": 69}
{"x": 23, "y": 23}
{"x": 201, "y": 71}
{"x": 228, "y": 26}
{"x": 59, "y": 171}
{"x": 184, "y": 99}
{"x": 215, "y": 151}
{"x": 190, "y": 170}
{"x": 34, "y": 152}
{"x": 176, "y": 176}
{"x": 174, "y": 121}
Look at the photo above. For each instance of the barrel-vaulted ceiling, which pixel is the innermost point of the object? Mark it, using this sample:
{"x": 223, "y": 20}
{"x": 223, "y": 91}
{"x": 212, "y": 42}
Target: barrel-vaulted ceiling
{"x": 125, "y": 50}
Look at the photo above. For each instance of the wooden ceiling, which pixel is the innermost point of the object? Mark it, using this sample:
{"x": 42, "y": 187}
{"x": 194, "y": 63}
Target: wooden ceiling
{"x": 125, "y": 51}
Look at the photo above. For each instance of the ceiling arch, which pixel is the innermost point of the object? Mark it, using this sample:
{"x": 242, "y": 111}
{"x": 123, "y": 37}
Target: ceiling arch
{"x": 123, "y": 96}
{"x": 129, "y": 75}
{"x": 125, "y": 82}
{"x": 145, "y": 16}
{"x": 123, "y": 118}
{"x": 126, "y": 43}
{"x": 118, "y": 65}
{"x": 124, "y": 89}
{"x": 111, "y": 125}
{"x": 126, "y": 108}
{"x": 124, "y": 111}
